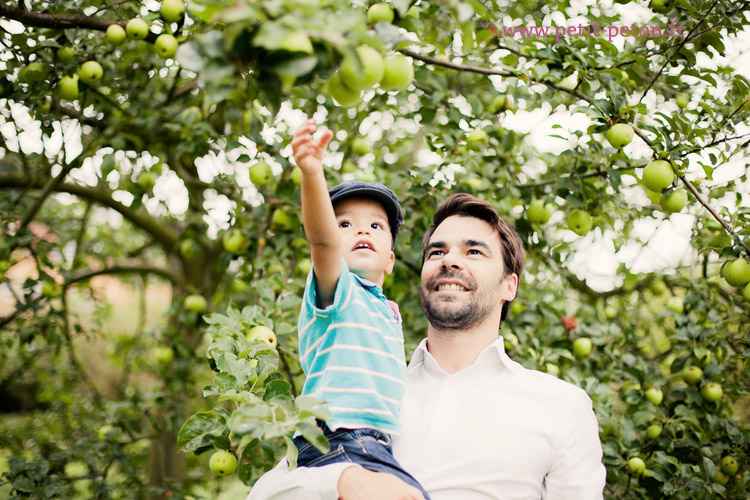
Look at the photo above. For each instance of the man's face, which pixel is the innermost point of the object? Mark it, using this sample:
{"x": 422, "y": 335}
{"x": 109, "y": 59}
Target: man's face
{"x": 463, "y": 279}
{"x": 366, "y": 238}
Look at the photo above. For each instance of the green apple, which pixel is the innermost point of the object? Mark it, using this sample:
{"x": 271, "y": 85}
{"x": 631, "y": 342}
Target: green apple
{"x": 476, "y": 184}
{"x": 610, "y": 312}
{"x": 720, "y": 477}
{"x": 654, "y": 430}
{"x": 103, "y": 433}
{"x": 172, "y": 10}
{"x": 636, "y": 466}
{"x": 44, "y": 105}
{"x": 380, "y": 13}
{"x": 52, "y": 289}
{"x": 692, "y": 375}
{"x": 746, "y": 292}
{"x": 398, "y": 73}
{"x": 580, "y": 222}
{"x": 655, "y": 395}
{"x": 658, "y": 287}
{"x": 261, "y": 174}
{"x": 712, "y": 392}
{"x": 476, "y": 136}
{"x": 66, "y": 54}
{"x": 729, "y": 466}
{"x": 676, "y": 305}
{"x": 222, "y": 463}
{"x": 166, "y": 45}
{"x": 263, "y": 334}
{"x": 619, "y": 135}
{"x": 67, "y": 88}
{"x": 360, "y": 146}
{"x": 163, "y": 355}
{"x": 296, "y": 175}
{"x": 116, "y": 34}
{"x": 658, "y": 175}
{"x": 137, "y": 29}
{"x": 349, "y": 167}
{"x": 552, "y": 369}
{"x": 234, "y": 241}
{"x": 303, "y": 267}
{"x": 297, "y": 42}
{"x": 195, "y": 302}
{"x": 281, "y": 219}
{"x": 661, "y": 5}
{"x": 32, "y": 73}
{"x": 91, "y": 72}
{"x": 76, "y": 469}
{"x": 343, "y": 95}
{"x": 539, "y": 212}
{"x": 674, "y": 201}
{"x": 364, "y": 70}
{"x": 582, "y": 347}
{"x": 367, "y": 176}
{"x": 147, "y": 180}
{"x": 190, "y": 249}
{"x": 682, "y": 100}
{"x": 736, "y": 272}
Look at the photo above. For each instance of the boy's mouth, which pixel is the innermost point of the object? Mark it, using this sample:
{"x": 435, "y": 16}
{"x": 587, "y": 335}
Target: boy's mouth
{"x": 364, "y": 246}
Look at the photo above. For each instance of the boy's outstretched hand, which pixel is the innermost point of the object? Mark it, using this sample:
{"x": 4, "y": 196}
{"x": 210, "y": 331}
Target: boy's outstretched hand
{"x": 308, "y": 153}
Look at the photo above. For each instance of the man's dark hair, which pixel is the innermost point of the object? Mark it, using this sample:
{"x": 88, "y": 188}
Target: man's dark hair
{"x": 466, "y": 205}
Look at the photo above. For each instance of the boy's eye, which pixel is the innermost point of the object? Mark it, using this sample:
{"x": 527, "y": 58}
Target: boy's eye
{"x": 376, "y": 225}
{"x": 344, "y": 223}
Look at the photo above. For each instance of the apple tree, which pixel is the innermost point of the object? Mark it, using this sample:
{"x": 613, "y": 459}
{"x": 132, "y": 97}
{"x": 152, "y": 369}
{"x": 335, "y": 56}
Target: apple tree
{"x": 148, "y": 142}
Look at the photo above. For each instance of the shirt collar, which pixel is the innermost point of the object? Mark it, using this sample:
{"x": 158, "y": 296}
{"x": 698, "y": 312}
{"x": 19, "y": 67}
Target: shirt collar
{"x": 493, "y": 354}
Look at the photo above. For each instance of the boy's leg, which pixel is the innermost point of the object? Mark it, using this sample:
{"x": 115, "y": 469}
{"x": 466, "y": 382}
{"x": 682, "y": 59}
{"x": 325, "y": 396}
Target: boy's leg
{"x": 366, "y": 447}
{"x": 372, "y": 449}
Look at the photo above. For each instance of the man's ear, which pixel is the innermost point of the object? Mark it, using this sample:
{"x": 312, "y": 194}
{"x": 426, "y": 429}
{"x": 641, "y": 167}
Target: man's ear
{"x": 391, "y": 261}
{"x": 509, "y": 287}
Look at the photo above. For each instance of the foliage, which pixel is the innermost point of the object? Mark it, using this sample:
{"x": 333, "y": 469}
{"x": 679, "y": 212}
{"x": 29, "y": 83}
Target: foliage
{"x": 144, "y": 173}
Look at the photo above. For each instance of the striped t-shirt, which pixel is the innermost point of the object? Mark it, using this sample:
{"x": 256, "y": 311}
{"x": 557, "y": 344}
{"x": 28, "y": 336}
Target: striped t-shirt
{"x": 353, "y": 354}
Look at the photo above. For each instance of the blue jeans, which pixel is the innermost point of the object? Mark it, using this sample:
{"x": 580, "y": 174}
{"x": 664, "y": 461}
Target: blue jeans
{"x": 367, "y": 447}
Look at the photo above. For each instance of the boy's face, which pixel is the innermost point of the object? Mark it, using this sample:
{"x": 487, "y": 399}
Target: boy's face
{"x": 366, "y": 238}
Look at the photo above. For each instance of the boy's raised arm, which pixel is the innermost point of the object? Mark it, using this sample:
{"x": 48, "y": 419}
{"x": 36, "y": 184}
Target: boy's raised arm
{"x": 318, "y": 218}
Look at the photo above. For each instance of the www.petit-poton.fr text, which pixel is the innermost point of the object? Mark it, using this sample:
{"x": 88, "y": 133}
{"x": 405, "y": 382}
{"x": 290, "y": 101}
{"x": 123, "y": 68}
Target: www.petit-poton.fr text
{"x": 592, "y": 30}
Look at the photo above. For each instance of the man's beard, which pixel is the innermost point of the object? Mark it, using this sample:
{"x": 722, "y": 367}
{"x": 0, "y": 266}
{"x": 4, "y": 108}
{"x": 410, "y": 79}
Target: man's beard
{"x": 444, "y": 315}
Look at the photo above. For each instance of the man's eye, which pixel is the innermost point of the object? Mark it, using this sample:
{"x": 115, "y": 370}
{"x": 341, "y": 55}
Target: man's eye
{"x": 435, "y": 252}
{"x": 475, "y": 252}
{"x": 344, "y": 223}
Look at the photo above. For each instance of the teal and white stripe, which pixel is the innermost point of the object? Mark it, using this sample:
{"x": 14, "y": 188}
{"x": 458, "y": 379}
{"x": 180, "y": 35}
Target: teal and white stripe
{"x": 353, "y": 354}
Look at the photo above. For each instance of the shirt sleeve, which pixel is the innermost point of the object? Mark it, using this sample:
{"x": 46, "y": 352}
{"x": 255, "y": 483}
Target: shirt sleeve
{"x": 303, "y": 483}
{"x": 578, "y": 472}
{"x": 312, "y": 319}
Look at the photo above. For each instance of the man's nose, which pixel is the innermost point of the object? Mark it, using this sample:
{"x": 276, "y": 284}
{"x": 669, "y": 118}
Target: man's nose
{"x": 451, "y": 259}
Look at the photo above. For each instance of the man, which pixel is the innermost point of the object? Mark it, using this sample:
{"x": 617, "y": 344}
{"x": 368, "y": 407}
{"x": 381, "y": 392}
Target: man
{"x": 476, "y": 425}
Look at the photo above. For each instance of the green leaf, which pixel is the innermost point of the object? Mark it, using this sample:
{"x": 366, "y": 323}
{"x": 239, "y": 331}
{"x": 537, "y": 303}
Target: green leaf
{"x": 277, "y": 388}
{"x": 196, "y": 430}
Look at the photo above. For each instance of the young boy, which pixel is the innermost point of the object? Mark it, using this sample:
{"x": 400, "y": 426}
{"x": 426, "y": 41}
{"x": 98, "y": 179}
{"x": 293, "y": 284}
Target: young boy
{"x": 350, "y": 339}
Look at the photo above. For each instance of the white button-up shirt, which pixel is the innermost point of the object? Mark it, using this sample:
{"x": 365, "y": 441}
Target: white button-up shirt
{"x": 493, "y": 430}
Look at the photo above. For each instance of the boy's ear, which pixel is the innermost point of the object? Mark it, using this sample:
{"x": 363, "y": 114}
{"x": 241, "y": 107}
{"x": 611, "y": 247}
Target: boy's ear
{"x": 391, "y": 261}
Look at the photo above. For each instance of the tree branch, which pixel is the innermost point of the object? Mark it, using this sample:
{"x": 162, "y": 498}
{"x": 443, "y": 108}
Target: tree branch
{"x": 166, "y": 236}
{"x": 486, "y": 71}
{"x": 682, "y": 44}
{"x": 88, "y": 274}
{"x": 53, "y": 21}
